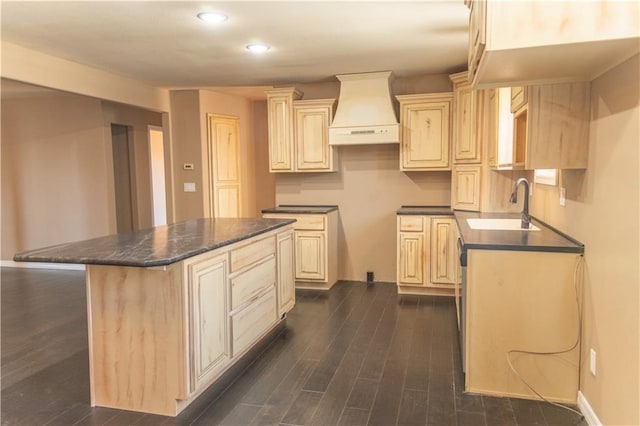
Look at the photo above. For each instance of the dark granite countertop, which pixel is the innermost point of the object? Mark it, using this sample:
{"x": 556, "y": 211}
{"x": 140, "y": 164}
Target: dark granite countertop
{"x": 301, "y": 209}
{"x": 157, "y": 246}
{"x": 425, "y": 210}
{"x": 547, "y": 239}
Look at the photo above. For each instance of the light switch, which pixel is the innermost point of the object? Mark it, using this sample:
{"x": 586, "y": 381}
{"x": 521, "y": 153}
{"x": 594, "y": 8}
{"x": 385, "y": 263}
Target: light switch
{"x": 189, "y": 187}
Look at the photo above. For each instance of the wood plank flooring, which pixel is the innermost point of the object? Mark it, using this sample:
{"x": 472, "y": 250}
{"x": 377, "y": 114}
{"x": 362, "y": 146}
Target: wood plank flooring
{"x": 355, "y": 355}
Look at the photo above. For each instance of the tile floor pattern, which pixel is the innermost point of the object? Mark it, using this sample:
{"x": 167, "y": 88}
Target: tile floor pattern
{"x": 351, "y": 356}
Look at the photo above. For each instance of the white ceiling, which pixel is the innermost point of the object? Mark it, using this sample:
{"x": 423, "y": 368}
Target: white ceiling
{"x": 166, "y": 45}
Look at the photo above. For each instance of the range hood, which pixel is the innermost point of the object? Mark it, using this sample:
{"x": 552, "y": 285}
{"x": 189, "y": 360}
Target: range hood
{"x": 365, "y": 113}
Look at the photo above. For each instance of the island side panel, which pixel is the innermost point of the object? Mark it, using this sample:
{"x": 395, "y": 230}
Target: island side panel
{"x": 136, "y": 337}
{"x": 526, "y": 301}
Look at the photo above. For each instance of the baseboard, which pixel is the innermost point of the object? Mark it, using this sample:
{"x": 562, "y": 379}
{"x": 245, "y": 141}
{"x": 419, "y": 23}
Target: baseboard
{"x": 41, "y": 265}
{"x": 586, "y": 410}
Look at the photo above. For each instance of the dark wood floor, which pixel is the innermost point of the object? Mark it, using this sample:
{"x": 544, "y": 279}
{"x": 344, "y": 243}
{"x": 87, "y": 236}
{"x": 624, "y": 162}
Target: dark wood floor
{"x": 352, "y": 356}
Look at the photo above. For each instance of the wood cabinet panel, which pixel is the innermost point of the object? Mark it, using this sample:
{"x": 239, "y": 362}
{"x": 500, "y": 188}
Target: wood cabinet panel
{"x": 280, "y": 125}
{"x": 411, "y": 258}
{"x": 467, "y": 121}
{"x": 425, "y": 131}
{"x": 412, "y": 223}
{"x": 209, "y": 328}
{"x": 518, "y": 97}
{"x": 310, "y": 255}
{"x": 312, "y": 120}
{"x": 443, "y": 249}
{"x": 465, "y": 189}
{"x": 286, "y": 273}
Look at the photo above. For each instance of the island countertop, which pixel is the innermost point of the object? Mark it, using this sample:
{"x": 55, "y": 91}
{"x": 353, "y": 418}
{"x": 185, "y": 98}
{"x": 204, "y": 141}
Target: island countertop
{"x": 158, "y": 246}
{"x": 545, "y": 240}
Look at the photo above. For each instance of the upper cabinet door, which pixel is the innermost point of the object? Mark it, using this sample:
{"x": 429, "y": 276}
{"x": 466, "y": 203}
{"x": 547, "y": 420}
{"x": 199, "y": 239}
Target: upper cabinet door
{"x": 280, "y": 122}
{"x": 425, "y": 131}
{"x": 466, "y": 140}
{"x": 312, "y": 120}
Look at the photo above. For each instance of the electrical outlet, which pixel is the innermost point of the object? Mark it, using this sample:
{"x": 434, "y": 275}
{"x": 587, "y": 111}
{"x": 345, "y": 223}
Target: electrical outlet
{"x": 563, "y": 197}
{"x": 592, "y": 366}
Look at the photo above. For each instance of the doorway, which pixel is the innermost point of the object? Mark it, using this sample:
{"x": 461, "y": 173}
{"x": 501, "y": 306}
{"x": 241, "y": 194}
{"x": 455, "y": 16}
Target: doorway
{"x": 158, "y": 186}
{"x": 122, "y": 177}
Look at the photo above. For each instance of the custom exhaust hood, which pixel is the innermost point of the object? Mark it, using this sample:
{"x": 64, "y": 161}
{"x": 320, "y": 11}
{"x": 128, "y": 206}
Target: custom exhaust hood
{"x": 365, "y": 113}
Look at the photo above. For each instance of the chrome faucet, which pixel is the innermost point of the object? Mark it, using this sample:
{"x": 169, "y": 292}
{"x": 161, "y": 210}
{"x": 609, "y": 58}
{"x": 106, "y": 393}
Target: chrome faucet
{"x": 526, "y": 219}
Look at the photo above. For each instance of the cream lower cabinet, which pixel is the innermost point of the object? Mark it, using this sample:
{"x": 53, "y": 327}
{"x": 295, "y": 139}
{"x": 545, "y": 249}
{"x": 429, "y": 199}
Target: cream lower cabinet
{"x": 426, "y": 255}
{"x": 315, "y": 248}
{"x": 286, "y": 273}
{"x": 208, "y": 319}
{"x": 525, "y": 301}
{"x": 160, "y": 336}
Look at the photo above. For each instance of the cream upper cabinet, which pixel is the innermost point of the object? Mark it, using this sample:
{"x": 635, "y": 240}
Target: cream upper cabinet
{"x": 551, "y": 131}
{"x": 426, "y": 254}
{"x": 465, "y": 187}
{"x": 425, "y": 131}
{"x": 466, "y": 122}
{"x": 540, "y": 42}
{"x": 311, "y": 147}
{"x": 299, "y": 132}
{"x": 280, "y": 123}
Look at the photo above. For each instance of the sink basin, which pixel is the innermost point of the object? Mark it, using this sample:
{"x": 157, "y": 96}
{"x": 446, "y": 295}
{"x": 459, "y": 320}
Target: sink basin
{"x": 499, "y": 225}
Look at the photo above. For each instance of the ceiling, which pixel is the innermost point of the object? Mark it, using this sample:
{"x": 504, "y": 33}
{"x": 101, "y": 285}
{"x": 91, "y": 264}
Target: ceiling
{"x": 165, "y": 44}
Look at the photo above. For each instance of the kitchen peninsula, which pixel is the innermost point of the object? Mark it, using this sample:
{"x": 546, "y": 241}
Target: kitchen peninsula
{"x": 172, "y": 308}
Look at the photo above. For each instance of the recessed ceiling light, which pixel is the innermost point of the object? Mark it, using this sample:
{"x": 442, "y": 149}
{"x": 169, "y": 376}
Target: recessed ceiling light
{"x": 258, "y": 47}
{"x": 212, "y": 17}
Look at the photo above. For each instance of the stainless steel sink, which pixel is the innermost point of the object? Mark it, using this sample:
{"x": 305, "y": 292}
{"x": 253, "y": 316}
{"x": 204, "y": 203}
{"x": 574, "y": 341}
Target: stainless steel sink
{"x": 486, "y": 224}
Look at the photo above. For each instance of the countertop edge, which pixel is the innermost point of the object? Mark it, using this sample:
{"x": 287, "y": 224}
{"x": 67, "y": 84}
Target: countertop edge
{"x": 27, "y": 257}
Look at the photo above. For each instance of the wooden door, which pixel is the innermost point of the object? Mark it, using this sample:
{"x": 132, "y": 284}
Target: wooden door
{"x": 286, "y": 273}
{"x": 411, "y": 258}
{"x": 443, "y": 262}
{"x": 224, "y": 161}
{"x": 465, "y": 189}
{"x": 312, "y": 137}
{"x": 208, "y": 317}
{"x": 310, "y": 255}
{"x": 426, "y": 136}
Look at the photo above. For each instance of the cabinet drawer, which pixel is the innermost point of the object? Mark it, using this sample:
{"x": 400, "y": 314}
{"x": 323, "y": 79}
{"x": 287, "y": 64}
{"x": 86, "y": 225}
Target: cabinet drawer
{"x": 248, "y": 284}
{"x": 309, "y": 223}
{"x": 246, "y": 255}
{"x": 411, "y": 223}
{"x": 253, "y": 321}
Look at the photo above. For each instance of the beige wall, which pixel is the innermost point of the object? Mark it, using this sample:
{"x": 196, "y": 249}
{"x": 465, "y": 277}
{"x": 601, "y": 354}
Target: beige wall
{"x": 57, "y": 169}
{"x": 55, "y": 177}
{"x": 368, "y": 188}
{"x": 602, "y": 211}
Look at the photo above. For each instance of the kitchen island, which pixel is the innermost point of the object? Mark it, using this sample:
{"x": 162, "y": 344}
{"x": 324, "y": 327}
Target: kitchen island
{"x": 518, "y": 309}
{"x": 172, "y": 308}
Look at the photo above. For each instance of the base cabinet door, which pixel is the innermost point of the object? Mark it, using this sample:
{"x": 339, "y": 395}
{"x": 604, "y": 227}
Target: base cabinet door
{"x": 286, "y": 275}
{"x": 209, "y": 327}
{"x": 443, "y": 245}
{"x": 411, "y": 268}
{"x": 310, "y": 255}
